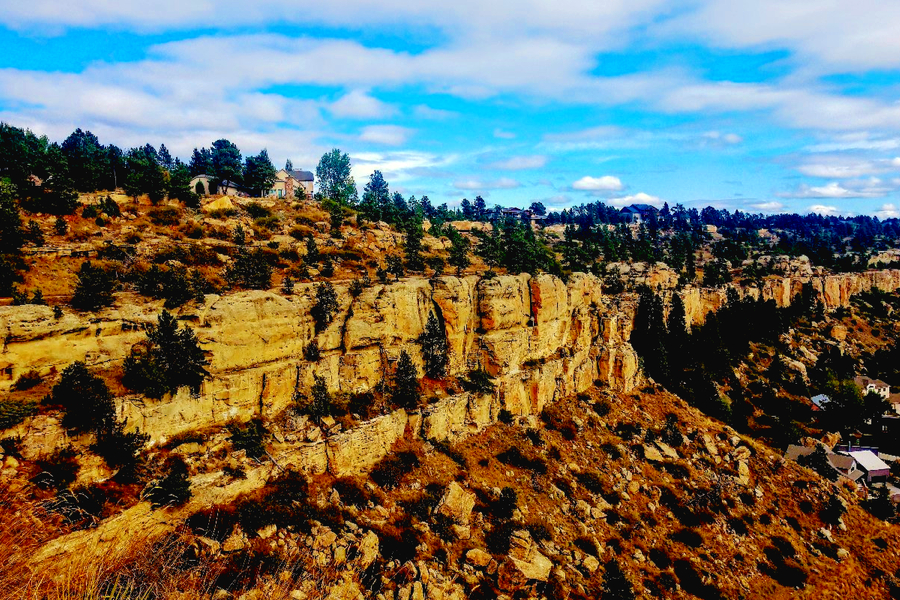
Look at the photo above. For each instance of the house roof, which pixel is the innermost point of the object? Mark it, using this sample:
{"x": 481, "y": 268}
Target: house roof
{"x": 301, "y": 175}
{"x": 865, "y": 381}
{"x": 820, "y": 400}
{"x": 639, "y": 208}
{"x": 855, "y": 474}
{"x": 868, "y": 461}
{"x": 842, "y": 462}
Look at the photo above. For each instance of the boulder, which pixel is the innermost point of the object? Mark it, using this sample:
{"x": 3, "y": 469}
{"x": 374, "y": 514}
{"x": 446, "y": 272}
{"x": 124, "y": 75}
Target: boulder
{"x": 456, "y": 503}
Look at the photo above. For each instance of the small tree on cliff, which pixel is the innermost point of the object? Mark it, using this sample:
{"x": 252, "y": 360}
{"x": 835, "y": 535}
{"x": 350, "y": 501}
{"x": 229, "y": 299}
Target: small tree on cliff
{"x": 85, "y": 398}
{"x": 326, "y": 306}
{"x": 435, "y": 351}
{"x": 170, "y": 358}
{"x": 406, "y": 383}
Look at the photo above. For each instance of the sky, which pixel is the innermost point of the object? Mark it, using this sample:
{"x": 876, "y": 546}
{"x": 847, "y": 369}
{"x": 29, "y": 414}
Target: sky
{"x": 763, "y": 106}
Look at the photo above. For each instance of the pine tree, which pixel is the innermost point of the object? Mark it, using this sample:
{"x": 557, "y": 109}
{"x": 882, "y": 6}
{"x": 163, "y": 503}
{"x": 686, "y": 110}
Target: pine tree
{"x": 435, "y": 350}
{"x": 85, "y": 398}
{"x": 94, "y": 288}
{"x": 413, "y": 245}
{"x": 406, "y": 383}
{"x": 326, "y": 306}
{"x": 459, "y": 248}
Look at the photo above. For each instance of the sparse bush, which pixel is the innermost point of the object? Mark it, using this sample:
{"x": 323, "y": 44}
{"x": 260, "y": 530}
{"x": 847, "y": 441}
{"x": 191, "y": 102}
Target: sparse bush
{"x": 28, "y": 380}
{"x": 164, "y": 215}
{"x": 478, "y": 381}
{"x": 616, "y": 586}
{"x": 514, "y": 457}
{"x": 257, "y": 210}
{"x": 497, "y": 539}
{"x": 327, "y": 269}
{"x": 388, "y": 472}
{"x": 505, "y": 417}
{"x": 13, "y": 412}
{"x": 60, "y": 226}
{"x": 311, "y": 351}
{"x": 352, "y": 492}
{"x": 173, "y": 489}
{"x": 120, "y": 449}
{"x": 249, "y": 437}
{"x": 58, "y": 470}
{"x": 590, "y": 481}
{"x": 250, "y": 270}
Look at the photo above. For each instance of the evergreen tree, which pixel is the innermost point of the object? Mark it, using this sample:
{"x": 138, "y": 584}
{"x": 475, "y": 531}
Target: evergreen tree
{"x": 413, "y": 245}
{"x": 490, "y": 247}
{"x": 320, "y": 403}
{"x": 288, "y": 165}
{"x": 201, "y": 163}
{"x": 250, "y": 270}
{"x": 406, "y": 383}
{"x": 459, "y": 250}
{"x": 649, "y": 335}
{"x": 226, "y": 163}
{"x": 467, "y": 211}
{"x": 165, "y": 158}
{"x": 479, "y": 209}
{"x": 85, "y": 399}
{"x": 326, "y": 306}
{"x": 170, "y": 358}
{"x": 259, "y": 173}
{"x": 94, "y": 288}
{"x": 180, "y": 186}
{"x": 435, "y": 350}
{"x": 12, "y": 238}
{"x": 376, "y": 196}
{"x": 312, "y": 251}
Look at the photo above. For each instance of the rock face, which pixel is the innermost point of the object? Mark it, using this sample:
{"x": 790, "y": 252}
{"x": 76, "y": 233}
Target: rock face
{"x": 541, "y": 338}
{"x": 457, "y": 504}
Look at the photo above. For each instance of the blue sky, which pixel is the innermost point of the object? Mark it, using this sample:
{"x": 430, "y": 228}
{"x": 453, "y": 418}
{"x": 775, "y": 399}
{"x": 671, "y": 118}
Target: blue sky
{"x": 764, "y": 106}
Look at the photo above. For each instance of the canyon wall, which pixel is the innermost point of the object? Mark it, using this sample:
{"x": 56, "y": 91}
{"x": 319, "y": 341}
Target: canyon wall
{"x": 541, "y": 338}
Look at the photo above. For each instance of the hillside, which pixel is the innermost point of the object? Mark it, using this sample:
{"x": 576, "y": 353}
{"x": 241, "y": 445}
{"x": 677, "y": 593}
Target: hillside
{"x": 546, "y": 459}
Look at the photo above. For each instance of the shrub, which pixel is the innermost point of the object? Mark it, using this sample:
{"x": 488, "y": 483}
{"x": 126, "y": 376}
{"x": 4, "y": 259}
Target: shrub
{"x": 120, "y": 449}
{"x": 506, "y": 504}
{"x": 173, "y": 489}
{"x": 311, "y": 351}
{"x": 250, "y": 270}
{"x": 590, "y": 481}
{"x": 164, "y": 215}
{"x": 85, "y": 399}
{"x": 81, "y": 506}
{"x": 352, "y": 492}
{"x": 34, "y": 234}
{"x": 436, "y": 264}
{"x": 388, "y": 472}
{"x": 327, "y": 269}
{"x": 257, "y": 210}
{"x": 170, "y": 358}
{"x": 505, "y": 416}
{"x": 249, "y": 437}
{"x": 602, "y": 407}
{"x": 660, "y": 558}
{"x": 94, "y": 288}
{"x": 60, "y": 226}
{"x": 514, "y": 457}
{"x": 13, "y": 412}
{"x": 688, "y": 537}
{"x": 325, "y": 307}
{"x": 172, "y": 284}
{"x": 478, "y": 381}
{"x": 58, "y": 470}
{"x": 28, "y": 380}
{"x": 356, "y": 287}
{"x": 616, "y": 586}
{"x": 287, "y": 286}
{"x": 498, "y": 538}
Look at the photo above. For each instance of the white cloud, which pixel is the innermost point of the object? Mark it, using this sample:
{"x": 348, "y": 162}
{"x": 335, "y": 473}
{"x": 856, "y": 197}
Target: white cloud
{"x": 504, "y": 135}
{"x": 888, "y": 211}
{"x": 387, "y": 135}
{"x": 639, "y": 198}
{"x": 518, "y": 163}
{"x": 770, "y": 206}
{"x": 360, "y": 105}
{"x": 841, "y": 167}
{"x": 400, "y": 165}
{"x": 725, "y": 139}
{"x": 824, "y": 210}
{"x": 503, "y": 183}
{"x": 423, "y": 111}
{"x": 871, "y": 188}
{"x": 606, "y": 183}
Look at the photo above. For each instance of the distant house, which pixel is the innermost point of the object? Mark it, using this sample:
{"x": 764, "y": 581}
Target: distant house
{"x": 873, "y": 385}
{"x": 874, "y": 468}
{"x": 292, "y": 184}
{"x": 638, "y": 213}
{"x": 527, "y": 215}
{"x": 203, "y": 180}
{"x": 210, "y": 186}
{"x": 845, "y": 466}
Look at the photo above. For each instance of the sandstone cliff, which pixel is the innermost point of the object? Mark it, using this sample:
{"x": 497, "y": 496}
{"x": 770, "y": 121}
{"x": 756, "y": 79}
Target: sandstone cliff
{"x": 541, "y": 338}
